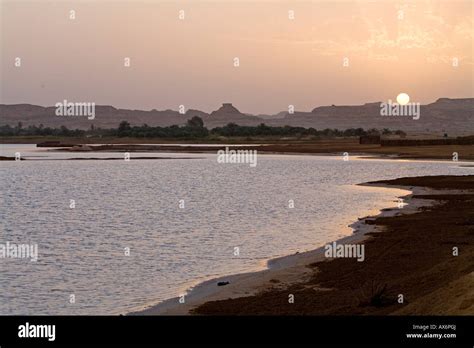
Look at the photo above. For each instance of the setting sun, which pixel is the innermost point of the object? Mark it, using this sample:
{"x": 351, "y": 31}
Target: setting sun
{"x": 403, "y": 99}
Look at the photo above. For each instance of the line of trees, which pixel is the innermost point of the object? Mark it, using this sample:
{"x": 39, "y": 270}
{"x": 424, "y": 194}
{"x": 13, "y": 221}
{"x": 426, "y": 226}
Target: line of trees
{"x": 40, "y": 130}
{"x": 194, "y": 128}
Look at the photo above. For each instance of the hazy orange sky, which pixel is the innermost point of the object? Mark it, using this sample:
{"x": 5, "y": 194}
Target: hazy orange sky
{"x": 391, "y": 46}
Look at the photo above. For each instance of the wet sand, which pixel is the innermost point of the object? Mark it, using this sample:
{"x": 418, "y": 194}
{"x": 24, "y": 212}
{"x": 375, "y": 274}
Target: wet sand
{"x": 408, "y": 252}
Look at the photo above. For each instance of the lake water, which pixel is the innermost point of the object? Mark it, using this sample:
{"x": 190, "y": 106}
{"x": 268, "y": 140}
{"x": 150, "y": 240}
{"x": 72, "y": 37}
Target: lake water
{"x": 135, "y": 206}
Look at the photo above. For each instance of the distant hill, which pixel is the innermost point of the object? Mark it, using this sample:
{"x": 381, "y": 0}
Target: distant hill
{"x": 453, "y": 116}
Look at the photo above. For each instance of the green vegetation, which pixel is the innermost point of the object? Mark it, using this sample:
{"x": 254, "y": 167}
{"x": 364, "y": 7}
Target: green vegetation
{"x": 194, "y": 129}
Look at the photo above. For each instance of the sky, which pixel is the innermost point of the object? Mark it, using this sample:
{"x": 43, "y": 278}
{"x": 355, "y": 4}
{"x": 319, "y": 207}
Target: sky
{"x": 301, "y": 53}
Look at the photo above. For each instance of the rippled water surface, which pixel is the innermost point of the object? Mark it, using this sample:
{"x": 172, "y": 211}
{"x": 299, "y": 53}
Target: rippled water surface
{"x": 135, "y": 205}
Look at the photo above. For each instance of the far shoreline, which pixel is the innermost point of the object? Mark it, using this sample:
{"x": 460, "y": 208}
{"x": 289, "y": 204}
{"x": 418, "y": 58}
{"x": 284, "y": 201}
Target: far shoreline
{"x": 323, "y": 147}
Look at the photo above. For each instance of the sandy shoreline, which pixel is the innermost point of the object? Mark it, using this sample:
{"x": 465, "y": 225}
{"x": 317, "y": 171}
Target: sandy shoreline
{"x": 421, "y": 263}
{"x": 289, "y": 269}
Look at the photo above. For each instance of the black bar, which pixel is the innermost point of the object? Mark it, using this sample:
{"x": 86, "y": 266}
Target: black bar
{"x": 136, "y": 330}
